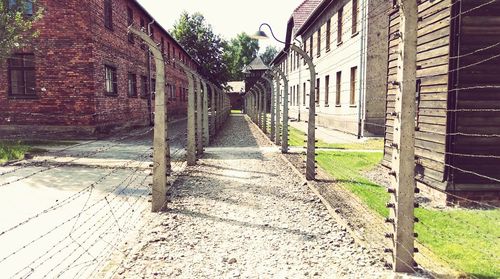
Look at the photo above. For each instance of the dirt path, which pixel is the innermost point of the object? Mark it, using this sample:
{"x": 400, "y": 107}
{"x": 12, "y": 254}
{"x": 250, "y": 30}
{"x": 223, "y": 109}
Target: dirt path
{"x": 242, "y": 212}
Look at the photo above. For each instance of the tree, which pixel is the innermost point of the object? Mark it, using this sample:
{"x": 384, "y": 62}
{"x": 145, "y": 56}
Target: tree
{"x": 269, "y": 54}
{"x": 16, "y": 22}
{"x": 240, "y": 52}
{"x": 198, "y": 39}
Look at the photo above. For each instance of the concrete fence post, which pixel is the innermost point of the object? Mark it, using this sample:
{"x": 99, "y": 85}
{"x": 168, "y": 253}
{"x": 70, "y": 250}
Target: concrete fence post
{"x": 403, "y": 146}
{"x": 160, "y": 137}
{"x": 272, "y": 109}
{"x": 199, "y": 118}
{"x": 191, "y": 121}
{"x": 206, "y": 132}
{"x": 212, "y": 110}
{"x": 311, "y": 124}
{"x": 277, "y": 138}
{"x": 284, "y": 128}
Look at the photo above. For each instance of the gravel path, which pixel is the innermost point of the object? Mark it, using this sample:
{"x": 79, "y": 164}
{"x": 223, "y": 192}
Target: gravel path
{"x": 241, "y": 212}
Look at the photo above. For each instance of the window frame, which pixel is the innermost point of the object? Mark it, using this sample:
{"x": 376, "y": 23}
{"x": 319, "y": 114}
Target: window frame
{"x": 130, "y": 22}
{"x": 318, "y": 91}
{"x": 31, "y": 68}
{"x": 14, "y": 6}
{"x": 311, "y": 46}
{"x": 132, "y": 88}
{"x": 354, "y": 16}
{"x": 318, "y": 42}
{"x": 339, "y": 25}
{"x": 328, "y": 34}
{"x": 114, "y": 80}
{"x": 327, "y": 89}
{"x": 338, "y": 91}
{"x": 353, "y": 80}
{"x": 108, "y": 14}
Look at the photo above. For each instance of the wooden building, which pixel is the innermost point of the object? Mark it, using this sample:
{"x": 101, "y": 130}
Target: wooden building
{"x": 458, "y": 98}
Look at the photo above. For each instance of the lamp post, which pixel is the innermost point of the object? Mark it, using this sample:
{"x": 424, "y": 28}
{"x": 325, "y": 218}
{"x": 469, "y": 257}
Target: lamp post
{"x": 311, "y": 129}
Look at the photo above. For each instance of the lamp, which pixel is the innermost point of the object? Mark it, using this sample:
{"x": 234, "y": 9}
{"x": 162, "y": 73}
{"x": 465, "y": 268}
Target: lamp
{"x": 260, "y": 35}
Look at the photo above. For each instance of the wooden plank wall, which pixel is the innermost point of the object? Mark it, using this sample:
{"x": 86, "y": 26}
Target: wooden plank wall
{"x": 433, "y": 46}
{"x": 478, "y": 63}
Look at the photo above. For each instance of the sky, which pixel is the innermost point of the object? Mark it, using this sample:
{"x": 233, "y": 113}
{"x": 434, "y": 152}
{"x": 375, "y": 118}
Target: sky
{"x": 229, "y": 17}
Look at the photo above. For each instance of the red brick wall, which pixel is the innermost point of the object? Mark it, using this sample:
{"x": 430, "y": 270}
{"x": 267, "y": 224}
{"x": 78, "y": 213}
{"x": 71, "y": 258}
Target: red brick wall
{"x": 113, "y": 48}
{"x": 71, "y": 51}
{"x": 63, "y": 66}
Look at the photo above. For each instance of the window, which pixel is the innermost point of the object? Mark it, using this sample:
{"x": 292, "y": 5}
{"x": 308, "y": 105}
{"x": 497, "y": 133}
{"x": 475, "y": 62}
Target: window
{"x": 22, "y": 74}
{"x": 354, "y": 17}
{"x": 168, "y": 52}
{"x": 108, "y": 14}
{"x": 311, "y": 46}
{"x": 130, "y": 22}
{"x": 298, "y": 96}
{"x": 354, "y": 72}
{"x": 318, "y": 47}
{"x": 339, "y": 26}
{"x": 143, "y": 26}
{"x": 317, "y": 91}
{"x": 162, "y": 46}
{"x": 132, "y": 85}
{"x": 28, "y": 7}
{"x": 144, "y": 83}
{"x": 327, "y": 89}
{"x": 337, "y": 94}
{"x": 173, "y": 55}
{"x": 328, "y": 34}
{"x": 304, "y": 94}
{"x": 111, "y": 83}
{"x": 152, "y": 33}
{"x": 305, "y": 49}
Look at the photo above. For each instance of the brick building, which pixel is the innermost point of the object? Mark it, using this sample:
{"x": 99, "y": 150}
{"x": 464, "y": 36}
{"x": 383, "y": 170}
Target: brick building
{"x": 84, "y": 74}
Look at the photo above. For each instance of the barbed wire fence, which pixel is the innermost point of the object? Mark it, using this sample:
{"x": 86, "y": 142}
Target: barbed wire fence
{"x": 469, "y": 159}
{"x": 102, "y": 191}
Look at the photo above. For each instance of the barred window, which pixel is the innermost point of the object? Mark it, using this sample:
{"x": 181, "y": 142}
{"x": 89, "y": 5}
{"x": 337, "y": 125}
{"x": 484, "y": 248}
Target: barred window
{"x": 21, "y": 69}
{"x": 132, "y": 85}
{"x": 111, "y": 83}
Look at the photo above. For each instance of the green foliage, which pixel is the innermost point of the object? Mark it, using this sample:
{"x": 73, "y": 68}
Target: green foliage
{"x": 296, "y": 138}
{"x": 16, "y": 26}
{"x": 220, "y": 60}
{"x": 12, "y": 151}
{"x": 466, "y": 239}
{"x": 198, "y": 39}
{"x": 269, "y": 54}
{"x": 240, "y": 52}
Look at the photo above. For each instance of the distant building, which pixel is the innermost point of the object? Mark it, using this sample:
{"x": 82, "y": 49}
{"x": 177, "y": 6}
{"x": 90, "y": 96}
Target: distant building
{"x": 236, "y": 94}
{"x": 85, "y": 74}
{"x": 349, "y": 51}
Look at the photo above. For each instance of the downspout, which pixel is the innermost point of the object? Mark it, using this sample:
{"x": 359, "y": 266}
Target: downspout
{"x": 362, "y": 80}
{"x": 150, "y": 85}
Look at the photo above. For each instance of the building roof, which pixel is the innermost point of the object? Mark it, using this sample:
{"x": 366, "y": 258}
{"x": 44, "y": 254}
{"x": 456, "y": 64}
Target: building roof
{"x": 299, "y": 17}
{"x": 314, "y": 15}
{"x": 236, "y": 86}
{"x": 256, "y": 65}
{"x": 302, "y": 13}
